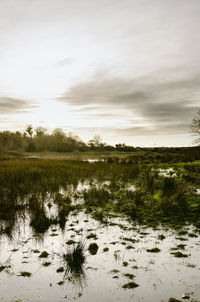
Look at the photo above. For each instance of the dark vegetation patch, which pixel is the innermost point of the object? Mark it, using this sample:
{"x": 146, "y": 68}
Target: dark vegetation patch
{"x": 46, "y": 263}
{"x": 153, "y": 250}
{"x": 130, "y": 276}
{"x": 179, "y": 247}
{"x": 93, "y": 248}
{"x": 125, "y": 263}
{"x": 161, "y": 237}
{"x": 192, "y": 235}
{"x": 60, "y": 282}
{"x": 179, "y": 255}
{"x": 60, "y": 269}
{"x": 69, "y": 242}
{"x": 2, "y": 267}
{"x": 130, "y": 285}
{"x": 36, "y": 251}
{"x": 114, "y": 271}
{"x": 74, "y": 259}
{"x": 44, "y": 254}
{"x": 129, "y": 247}
{"x": 181, "y": 238}
{"x": 130, "y": 239}
{"x": 92, "y": 236}
{"x": 25, "y": 274}
{"x": 191, "y": 265}
{"x": 26, "y": 183}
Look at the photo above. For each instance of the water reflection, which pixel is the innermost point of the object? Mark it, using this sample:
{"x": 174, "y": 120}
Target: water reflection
{"x": 61, "y": 220}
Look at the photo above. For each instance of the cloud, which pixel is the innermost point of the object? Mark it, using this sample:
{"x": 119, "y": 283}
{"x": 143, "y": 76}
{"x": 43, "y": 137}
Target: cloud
{"x": 165, "y": 105}
{"x": 172, "y": 129}
{"x": 12, "y": 105}
{"x": 65, "y": 62}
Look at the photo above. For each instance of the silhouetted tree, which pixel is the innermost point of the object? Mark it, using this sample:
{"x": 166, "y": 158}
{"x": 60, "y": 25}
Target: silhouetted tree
{"x": 195, "y": 126}
{"x": 40, "y": 131}
{"x": 29, "y": 130}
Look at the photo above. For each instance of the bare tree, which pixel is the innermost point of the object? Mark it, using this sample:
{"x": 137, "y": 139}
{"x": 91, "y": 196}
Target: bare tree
{"x": 95, "y": 141}
{"x": 40, "y": 131}
{"x": 195, "y": 126}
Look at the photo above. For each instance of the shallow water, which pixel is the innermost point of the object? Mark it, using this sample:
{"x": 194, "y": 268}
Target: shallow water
{"x": 159, "y": 275}
{"x": 168, "y": 172}
{"x": 198, "y": 191}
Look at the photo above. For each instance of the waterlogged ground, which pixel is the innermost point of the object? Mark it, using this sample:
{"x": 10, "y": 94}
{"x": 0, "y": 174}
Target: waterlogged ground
{"x": 124, "y": 255}
{"x": 134, "y": 216}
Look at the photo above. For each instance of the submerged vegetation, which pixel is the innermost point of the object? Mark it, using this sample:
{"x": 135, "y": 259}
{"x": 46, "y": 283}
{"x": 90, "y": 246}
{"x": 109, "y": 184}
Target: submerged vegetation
{"x": 48, "y": 195}
{"x": 33, "y": 187}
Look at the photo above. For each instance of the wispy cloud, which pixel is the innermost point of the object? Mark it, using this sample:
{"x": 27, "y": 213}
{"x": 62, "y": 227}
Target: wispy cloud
{"x": 11, "y": 105}
{"x": 165, "y": 105}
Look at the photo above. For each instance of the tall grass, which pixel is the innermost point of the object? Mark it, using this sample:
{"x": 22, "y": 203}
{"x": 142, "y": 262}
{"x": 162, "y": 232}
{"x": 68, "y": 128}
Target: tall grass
{"x": 74, "y": 259}
{"x": 25, "y": 185}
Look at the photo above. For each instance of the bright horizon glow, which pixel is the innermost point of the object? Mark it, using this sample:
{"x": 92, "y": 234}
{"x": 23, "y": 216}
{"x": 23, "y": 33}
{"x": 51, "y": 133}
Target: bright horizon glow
{"x": 126, "y": 71}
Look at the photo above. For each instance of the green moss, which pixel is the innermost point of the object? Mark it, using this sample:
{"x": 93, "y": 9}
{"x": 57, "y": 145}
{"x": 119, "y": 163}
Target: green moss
{"x": 25, "y": 274}
{"x": 153, "y": 250}
{"x": 183, "y": 232}
{"x": 2, "y": 267}
{"x": 44, "y": 254}
{"x": 191, "y": 265}
{"x": 60, "y": 269}
{"x": 181, "y": 238}
{"x": 144, "y": 233}
{"x": 115, "y": 271}
{"x": 129, "y": 247}
{"x": 179, "y": 255}
{"x": 161, "y": 237}
{"x": 192, "y": 235}
{"x": 130, "y": 276}
{"x": 130, "y": 285}
{"x": 116, "y": 277}
{"x": 179, "y": 247}
{"x": 130, "y": 239}
{"x": 60, "y": 282}
{"x": 106, "y": 249}
{"x": 46, "y": 263}
{"x": 69, "y": 242}
{"x": 93, "y": 248}
{"x": 92, "y": 236}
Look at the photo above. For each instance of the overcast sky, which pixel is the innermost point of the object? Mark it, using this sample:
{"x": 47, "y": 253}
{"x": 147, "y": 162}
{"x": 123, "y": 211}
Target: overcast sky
{"x": 126, "y": 70}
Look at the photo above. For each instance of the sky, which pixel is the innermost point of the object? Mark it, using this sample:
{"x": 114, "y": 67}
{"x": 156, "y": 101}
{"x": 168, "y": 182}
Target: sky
{"x": 128, "y": 70}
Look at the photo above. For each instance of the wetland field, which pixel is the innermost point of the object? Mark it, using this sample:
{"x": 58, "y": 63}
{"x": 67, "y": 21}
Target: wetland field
{"x": 115, "y": 229}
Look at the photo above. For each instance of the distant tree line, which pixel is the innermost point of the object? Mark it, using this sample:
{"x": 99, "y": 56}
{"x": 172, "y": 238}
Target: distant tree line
{"x": 38, "y": 140}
